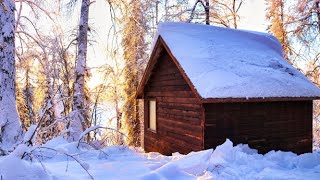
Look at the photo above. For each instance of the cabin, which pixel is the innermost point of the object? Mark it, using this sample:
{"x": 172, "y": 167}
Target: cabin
{"x": 204, "y": 84}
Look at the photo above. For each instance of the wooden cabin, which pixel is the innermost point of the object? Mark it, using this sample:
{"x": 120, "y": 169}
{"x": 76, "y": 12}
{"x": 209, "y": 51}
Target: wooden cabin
{"x": 204, "y": 84}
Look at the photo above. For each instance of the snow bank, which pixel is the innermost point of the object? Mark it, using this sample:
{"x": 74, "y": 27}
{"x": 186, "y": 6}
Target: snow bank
{"x": 121, "y": 162}
{"x": 238, "y": 162}
{"x": 228, "y": 63}
{"x": 241, "y": 162}
{"x": 183, "y": 167}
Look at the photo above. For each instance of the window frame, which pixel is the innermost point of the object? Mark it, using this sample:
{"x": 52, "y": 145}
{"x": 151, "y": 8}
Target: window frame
{"x": 149, "y": 120}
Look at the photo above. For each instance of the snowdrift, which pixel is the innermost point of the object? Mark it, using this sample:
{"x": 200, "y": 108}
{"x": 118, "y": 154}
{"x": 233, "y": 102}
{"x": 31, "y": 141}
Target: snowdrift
{"x": 121, "y": 162}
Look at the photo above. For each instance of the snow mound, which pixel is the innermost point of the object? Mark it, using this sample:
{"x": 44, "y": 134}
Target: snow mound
{"x": 55, "y": 142}
{"x": 183, "y": 167}
{"x": 241, "y": 162}
{"x": 238, "y": 162}
{"x": 12, "y": 167}
{"x": 228, "y": 63}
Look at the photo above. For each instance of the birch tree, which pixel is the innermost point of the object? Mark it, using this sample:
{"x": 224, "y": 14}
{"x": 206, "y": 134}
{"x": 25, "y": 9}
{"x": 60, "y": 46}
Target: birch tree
{"x": 205, "y": 5}
{"x": 217, "y": 12}
{"x": 10, "y": 130}
{"x": 80, "y": 110}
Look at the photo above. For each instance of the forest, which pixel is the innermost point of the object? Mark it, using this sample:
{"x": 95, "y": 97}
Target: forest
{"x": 52, "y": 84}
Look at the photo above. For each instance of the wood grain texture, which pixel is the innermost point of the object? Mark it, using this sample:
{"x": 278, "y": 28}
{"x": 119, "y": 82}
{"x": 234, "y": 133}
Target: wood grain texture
{"x": 179, "y": 111}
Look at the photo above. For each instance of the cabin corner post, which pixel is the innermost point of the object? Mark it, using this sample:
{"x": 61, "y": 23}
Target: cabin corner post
{"x": 203, "y": 122}
{"x": 145, "y": 121}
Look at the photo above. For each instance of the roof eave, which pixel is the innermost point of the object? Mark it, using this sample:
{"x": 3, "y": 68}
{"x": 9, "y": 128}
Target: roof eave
{"x": 152, "y": 60}
{"x": 257, "y": 99}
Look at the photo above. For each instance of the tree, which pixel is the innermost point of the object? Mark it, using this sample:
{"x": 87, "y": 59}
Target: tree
{"x": 225, "y": 12}
{"x": 313, "y": 74}
{"x": 80, "y": 120}
{"x": 10, "y": 130}
{"x": 219, "y": 12}
{"x": 278, "y": 20}
{"x": 306, "y": 20}
{"x": 206, "y": 7}
{"x": 25, "y": 90}
{"x": 133, "y": 51}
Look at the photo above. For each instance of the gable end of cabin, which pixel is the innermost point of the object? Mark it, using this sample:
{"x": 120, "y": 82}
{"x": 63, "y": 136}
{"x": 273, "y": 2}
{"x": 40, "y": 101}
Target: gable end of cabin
{"x": 173, "y": 114}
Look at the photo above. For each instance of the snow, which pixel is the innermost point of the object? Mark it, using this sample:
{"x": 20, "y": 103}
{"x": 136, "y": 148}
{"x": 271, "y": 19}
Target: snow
{"x": 30, "y": 134}
{"x": 84, "y": 133}
{"x": 20, "y": 150}
{"x": 121, "y": 162}
{"x": 228, "y": 63}
{"x": 12, "y": 167}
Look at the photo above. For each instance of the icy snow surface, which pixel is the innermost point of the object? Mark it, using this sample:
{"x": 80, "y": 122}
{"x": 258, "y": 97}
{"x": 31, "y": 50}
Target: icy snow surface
{"x": 228, "y": 63}
{"x": 121, "y": 162}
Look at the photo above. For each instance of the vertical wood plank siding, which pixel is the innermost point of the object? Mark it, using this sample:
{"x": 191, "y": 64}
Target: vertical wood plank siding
{"x": 179, "y": 112}
{"x": 282, "y": 125}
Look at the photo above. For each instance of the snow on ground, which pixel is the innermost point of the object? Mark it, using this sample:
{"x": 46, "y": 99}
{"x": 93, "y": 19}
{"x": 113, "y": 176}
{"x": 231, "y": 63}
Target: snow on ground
{"x": 229, "y": 63}
{"x": 121, "y": 162}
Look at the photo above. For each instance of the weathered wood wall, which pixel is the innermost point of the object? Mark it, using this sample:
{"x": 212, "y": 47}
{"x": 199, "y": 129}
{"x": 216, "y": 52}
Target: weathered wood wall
{"x": 264, "y": 126}
{"x": 179, "y": 112}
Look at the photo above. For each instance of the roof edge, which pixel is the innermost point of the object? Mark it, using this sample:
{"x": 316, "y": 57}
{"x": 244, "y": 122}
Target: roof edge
{"x": 257, "y": 99}
{"x": 144, "y": 79}
{"x": 183, "y": 73}
{"x": 153, "y": 60}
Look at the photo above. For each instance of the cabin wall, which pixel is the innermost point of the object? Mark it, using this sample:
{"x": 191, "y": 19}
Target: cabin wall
{"x": 179, "y": 113}
{"x": 264, "y": 126}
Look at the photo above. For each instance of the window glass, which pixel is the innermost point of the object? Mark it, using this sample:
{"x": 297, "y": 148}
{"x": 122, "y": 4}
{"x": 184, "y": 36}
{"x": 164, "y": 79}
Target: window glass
{"x": 152, "y": 115}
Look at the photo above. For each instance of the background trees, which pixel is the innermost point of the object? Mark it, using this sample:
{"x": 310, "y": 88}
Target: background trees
{"x": 134, "y": 49}
{"x": 278, "y": 24}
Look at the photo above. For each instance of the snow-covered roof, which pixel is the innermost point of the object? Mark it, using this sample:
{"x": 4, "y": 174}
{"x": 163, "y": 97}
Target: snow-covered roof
{"x": 228, "y": 63}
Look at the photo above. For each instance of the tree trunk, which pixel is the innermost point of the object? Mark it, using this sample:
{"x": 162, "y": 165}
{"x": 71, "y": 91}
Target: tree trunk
{"x": 234, "y": 14}
{"x": 207, "y": 11}
{"x": 10, "y": 129}
{"x": 78, "y": 123}
{"x": 318, "y": 13}
{"x": 206, "y": 6}
{"x": 157, "y": 13}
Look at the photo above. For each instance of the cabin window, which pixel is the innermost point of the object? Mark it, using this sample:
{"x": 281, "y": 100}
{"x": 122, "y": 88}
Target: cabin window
{"x": 152, "y": 115}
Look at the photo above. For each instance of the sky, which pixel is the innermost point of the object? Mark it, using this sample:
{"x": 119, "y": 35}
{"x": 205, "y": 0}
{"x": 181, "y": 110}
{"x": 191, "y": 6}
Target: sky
{"x": 252, "y": 17}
